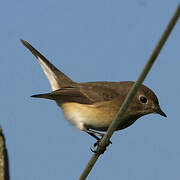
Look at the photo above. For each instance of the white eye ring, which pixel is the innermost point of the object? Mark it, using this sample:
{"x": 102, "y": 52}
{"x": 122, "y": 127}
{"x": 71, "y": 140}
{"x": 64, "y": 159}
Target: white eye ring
{"x": 143, "y": 99}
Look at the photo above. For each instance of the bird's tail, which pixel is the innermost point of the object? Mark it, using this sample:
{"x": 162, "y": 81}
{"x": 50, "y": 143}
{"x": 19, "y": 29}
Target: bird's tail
{"x": 56, "y": 78}
{"x": 44, "y": 96}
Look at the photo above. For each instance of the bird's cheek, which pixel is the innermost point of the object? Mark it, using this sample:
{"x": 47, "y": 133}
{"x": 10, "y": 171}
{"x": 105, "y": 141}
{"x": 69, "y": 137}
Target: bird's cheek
{"x": 136, "y": 108}
{"x": 134, "y": 111}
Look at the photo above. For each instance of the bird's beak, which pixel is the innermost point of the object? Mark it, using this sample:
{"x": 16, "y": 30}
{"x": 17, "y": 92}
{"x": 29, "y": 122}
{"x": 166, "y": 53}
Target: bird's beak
{"x": 159, "y": 111}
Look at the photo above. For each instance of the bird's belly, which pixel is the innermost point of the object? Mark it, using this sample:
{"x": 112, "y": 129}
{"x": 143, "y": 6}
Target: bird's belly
{"x": 87, "y": 116}
{"x": 96, "y": 117}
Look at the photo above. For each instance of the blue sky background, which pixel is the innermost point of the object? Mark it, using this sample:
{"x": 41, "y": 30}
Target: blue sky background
{"x": 89, "y": 41}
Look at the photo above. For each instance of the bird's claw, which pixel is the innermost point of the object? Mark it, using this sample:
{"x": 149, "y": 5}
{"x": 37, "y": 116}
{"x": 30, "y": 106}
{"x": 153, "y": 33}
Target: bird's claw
{"x": 98, "y": 142}
{"x": 98, "y": 151}
{"x": 96, "y": 145}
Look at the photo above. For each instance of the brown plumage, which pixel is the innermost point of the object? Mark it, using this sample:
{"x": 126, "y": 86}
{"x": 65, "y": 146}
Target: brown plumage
{"x": 93, "y": 105}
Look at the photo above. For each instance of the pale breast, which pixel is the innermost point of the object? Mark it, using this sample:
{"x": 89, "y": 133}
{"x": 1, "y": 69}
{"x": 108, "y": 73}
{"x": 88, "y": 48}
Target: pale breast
{"x": 88, "y": 116}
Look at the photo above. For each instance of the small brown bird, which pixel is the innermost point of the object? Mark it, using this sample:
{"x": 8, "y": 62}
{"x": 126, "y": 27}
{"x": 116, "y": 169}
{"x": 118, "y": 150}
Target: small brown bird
{"x": 91, "y": 106}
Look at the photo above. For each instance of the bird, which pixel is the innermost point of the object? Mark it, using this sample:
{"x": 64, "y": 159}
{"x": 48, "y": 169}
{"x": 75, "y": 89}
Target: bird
{"x": 92, "y": 106}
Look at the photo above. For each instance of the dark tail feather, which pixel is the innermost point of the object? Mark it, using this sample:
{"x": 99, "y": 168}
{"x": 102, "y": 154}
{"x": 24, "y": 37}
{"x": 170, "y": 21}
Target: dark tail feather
{"x": 45, "y": 96}
{"x": 56, "y": 78}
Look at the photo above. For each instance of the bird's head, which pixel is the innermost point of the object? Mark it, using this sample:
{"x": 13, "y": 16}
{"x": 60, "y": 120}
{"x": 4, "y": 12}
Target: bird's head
{"x": 144, "y": 102}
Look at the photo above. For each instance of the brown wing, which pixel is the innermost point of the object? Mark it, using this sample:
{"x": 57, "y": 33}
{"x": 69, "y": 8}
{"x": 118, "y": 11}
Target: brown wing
{"x": 83, "y": 93}
{"x": 98, "y": 91}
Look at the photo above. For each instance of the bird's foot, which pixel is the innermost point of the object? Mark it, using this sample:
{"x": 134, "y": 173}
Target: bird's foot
{"x": 96, "y": 145}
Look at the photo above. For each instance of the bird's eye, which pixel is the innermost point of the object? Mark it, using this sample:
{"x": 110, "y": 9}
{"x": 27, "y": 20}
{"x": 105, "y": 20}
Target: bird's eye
{"x": 143, "y": 99}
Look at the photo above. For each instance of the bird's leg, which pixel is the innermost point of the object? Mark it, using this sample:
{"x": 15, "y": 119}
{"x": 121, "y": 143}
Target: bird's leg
{"x": 95, "y": 135}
